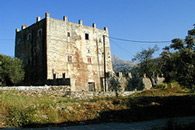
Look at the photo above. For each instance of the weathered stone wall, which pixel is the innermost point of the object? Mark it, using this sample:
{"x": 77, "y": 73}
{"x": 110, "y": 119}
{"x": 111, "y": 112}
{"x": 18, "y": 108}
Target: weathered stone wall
{"x": 45, "y": 46}
{"x": 30, "y": 47}
{"x": 60, "y": 46}
{"x": 62, "y": 91}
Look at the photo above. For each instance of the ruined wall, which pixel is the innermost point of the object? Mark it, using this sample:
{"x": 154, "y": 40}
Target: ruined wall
{"x": 129, "y": 83}
{"x": 66, "y": 39}
{"x": 30, "y": 47}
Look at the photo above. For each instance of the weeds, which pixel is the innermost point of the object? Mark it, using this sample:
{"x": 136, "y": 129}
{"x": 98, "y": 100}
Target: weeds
{"x": 17, "y": 108}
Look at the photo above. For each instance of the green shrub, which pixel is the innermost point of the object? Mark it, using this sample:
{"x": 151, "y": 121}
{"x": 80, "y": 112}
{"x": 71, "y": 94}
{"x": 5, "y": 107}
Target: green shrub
{"x": 161, "y": 86}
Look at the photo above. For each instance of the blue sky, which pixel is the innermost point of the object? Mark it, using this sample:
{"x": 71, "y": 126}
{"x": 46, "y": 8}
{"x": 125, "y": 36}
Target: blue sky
{"x": 147, "y": 20}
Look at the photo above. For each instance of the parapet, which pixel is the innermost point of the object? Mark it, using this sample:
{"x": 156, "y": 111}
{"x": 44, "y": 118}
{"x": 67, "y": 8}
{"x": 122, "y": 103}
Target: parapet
{"x": 47, "y": 15}
{"x": 65, "y": 18}
{"x": 38, "y": 18}
{"x": 24, "y": 26}
{"x": 81, "y": 22}
{"x": 17, "y": 29}
{"x": 94, "y": 25}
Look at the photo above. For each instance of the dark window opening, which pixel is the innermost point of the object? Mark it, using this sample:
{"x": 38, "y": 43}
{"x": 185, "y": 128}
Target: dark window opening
{"x": 86, "y": 36}
{"x": 91, "y": 86}
{"x": 54, "y": 76}
{"x": 68, "y": 34}
{"x": 29, "y": 36}
{"x": 63, "y": 75}
{"x": 39, "y": 32}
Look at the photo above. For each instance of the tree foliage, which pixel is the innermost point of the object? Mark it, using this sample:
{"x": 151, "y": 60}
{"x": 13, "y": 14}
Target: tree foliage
{"x": 147, "y": 65}
{"x": 11, "y": 70}
{"x": 179, "y": 63}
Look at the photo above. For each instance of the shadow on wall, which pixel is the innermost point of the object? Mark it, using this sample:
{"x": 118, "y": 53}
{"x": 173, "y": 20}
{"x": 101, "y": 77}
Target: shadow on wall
{"x": 135, "y": 84}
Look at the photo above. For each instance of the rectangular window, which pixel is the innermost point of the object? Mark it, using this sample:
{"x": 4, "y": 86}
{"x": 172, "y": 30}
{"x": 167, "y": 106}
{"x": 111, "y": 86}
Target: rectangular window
{"x": 91, "y": 86}
{"x": 86, "y": 36}
{"x": 54, "y": 76}
{"x": 39, "y": 33}
{"x": 63, "y": 75}
{"x": 89, "y": 60}
{"x": 100, "y": 40}
{"x": 68, "y": 34}
{"x": 29, "y": 36}
{"x": 70, "y": 59}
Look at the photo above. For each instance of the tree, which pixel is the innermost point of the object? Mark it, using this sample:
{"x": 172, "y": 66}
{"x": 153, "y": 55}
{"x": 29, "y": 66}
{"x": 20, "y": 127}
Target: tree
{"x": 179, "y": 63}
{"x": 147, "y": 65}
{"x": 114, "y": 85}
{"x": 11, "y": 70}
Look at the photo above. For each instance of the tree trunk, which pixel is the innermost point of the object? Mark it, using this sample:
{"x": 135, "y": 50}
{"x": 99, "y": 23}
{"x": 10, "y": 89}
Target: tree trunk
{"x": 152, "y": 81}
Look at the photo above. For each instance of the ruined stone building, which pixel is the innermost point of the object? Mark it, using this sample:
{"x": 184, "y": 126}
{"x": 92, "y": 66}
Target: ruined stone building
{"x": 59, "y": 52}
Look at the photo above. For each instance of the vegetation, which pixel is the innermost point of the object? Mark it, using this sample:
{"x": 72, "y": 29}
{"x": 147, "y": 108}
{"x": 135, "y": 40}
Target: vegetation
{"x": 178, "y": 61}
{"x": 19, "y": 108}
{"x": 147, "y": 66}
{"x": 114, "y": 85}
{"x": 11, "y": 70}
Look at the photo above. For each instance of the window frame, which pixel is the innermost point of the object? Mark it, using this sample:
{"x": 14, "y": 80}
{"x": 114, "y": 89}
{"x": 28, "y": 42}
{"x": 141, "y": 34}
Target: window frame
{"x": 89, "y": 60}
{"x": 29, "y": 36}
{"x": 70, "y": 58}
{"x": 39, "y": 34}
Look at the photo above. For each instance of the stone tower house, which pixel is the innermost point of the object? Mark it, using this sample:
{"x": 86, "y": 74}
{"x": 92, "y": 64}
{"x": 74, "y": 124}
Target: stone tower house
{"x": 58, "y": 52}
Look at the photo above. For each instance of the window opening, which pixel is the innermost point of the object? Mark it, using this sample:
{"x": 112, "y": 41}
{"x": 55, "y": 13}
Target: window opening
{"x": 68, "y": 34}
{"x": 89, "y": 60}
{"x": 86, "y": 36}
{"x": 100, "y": 40}
{"x": 69, "y": 58}
{"x": 54, "y": 76}
{"x": 91, "y": 86}
{"x": 39, "y": 32}
{"x": 63, "y": 75}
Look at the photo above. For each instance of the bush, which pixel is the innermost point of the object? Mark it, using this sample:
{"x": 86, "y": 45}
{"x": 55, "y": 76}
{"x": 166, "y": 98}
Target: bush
{"x": 161, "y": 86}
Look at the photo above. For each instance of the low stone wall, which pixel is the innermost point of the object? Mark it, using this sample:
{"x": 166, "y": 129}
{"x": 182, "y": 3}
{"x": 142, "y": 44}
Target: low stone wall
{"x": 90, "y": 95}
{"x": 62, "y": 91}
{"x": 67, "y": 88}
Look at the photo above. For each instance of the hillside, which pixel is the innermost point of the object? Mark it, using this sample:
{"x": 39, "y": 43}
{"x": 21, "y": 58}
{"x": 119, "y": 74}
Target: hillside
{"x": 120, "y": 64}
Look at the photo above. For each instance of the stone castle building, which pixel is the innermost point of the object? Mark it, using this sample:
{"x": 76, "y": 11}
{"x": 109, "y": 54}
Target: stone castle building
{"x": 59, "y": 52}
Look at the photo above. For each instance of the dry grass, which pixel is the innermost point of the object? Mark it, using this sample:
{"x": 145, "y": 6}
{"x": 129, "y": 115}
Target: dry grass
{"x": 17, "y": 108}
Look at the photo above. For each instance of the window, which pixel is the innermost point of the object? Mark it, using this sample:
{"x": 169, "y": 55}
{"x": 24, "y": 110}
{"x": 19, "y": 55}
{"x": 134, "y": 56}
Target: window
{"x": 18, "y": 42}
{"x": 29, "y": 36}
{"x": 63, "y": 75}
{"x": 91, "y": 86}
{"x": 68, "y": 34}
{"x": 100, "y": 40}
{"x": 39, "y": 33}
{"x": 70, "y": 59}
{"x": 86, "y": 36}
{"x": 89, "y": 60}
{"x": 54, "y": 76}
